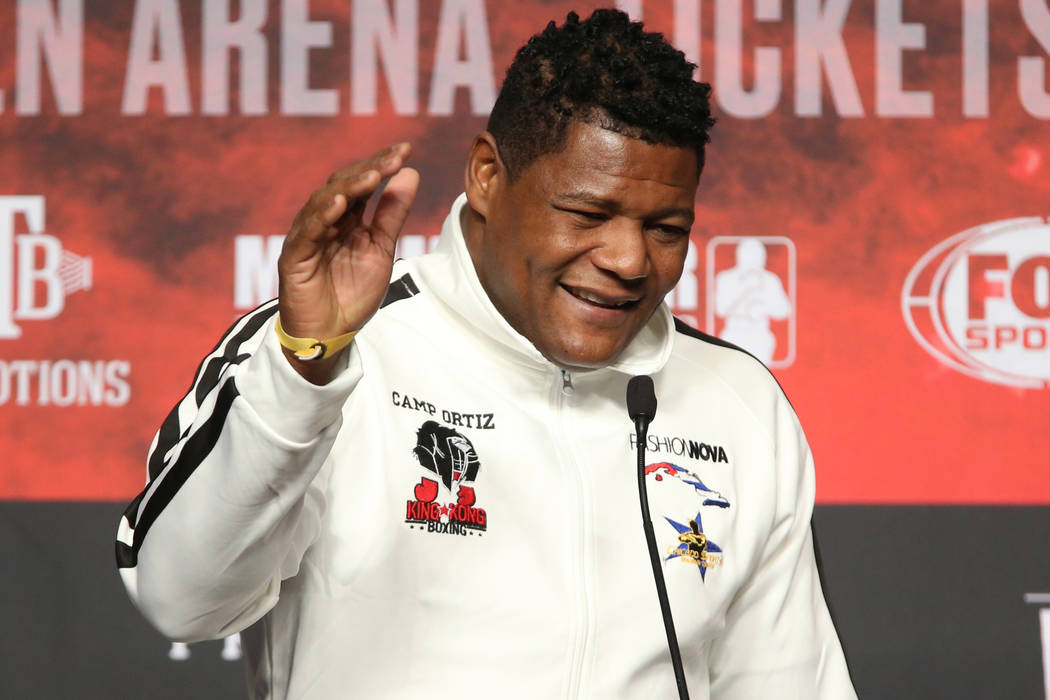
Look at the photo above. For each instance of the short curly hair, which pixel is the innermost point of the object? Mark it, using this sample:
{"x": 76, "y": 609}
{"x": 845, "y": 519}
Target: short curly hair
{"x": 605, "y": 70}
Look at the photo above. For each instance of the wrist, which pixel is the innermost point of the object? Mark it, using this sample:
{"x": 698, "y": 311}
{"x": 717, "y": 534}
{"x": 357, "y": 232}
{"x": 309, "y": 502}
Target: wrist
{"x": 318, "y": 372}
{"x": 312, "y": 358}
{"x": 312, "y": 349}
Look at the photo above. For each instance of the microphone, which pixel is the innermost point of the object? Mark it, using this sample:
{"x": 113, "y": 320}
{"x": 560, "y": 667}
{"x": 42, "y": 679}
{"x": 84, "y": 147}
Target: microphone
{"x": 641, "y": 407}
{"x": 641, "y": 403}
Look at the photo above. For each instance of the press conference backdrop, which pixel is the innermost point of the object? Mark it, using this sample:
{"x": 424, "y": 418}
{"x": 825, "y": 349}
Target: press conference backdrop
{"x": 872, "y": 222}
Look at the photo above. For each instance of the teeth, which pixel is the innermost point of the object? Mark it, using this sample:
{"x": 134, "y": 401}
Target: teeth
{"x": 599, "y": 300}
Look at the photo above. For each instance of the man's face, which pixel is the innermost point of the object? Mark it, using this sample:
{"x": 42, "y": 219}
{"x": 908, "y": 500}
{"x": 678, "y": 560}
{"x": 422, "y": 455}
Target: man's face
{"x": 579, "y": 251}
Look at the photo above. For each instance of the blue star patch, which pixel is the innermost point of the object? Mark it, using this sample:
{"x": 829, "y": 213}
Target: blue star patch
{"x": 694, "y": 545}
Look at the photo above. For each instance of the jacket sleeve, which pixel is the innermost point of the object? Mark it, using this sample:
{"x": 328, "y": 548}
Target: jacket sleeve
{"x": 779, "y": 640}
{"x": 235, "y": 489}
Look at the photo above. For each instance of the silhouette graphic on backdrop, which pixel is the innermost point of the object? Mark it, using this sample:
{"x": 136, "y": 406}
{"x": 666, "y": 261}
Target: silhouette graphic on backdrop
{"x": 748, "y": 297}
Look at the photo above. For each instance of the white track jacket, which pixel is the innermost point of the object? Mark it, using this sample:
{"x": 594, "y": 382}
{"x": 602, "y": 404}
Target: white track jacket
{"x": 455, "y": 517}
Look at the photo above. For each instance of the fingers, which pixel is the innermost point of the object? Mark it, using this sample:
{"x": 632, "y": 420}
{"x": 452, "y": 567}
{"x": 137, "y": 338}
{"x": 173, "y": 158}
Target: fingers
{"x": 336, "y": 208}
{"x": 392, "y": 209}
{"x": 317, "y": 220}
{"x": 360, "y": 180}
{"x": 387, "y": 162}
{"x": 357, "y": 183}
{"x": 339, "y": 205}
{"x": 328, "y": 204}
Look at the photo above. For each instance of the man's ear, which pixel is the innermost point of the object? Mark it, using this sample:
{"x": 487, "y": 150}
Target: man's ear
{"x": 485, "y": 173}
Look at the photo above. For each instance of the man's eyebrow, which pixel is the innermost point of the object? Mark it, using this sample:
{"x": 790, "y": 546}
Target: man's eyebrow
{"x": 596, "y": 200}
{"x": 584, "y": 196}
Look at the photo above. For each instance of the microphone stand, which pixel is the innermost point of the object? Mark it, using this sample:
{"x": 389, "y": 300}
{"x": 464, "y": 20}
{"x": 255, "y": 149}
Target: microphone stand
{"x": 641, "y": 426}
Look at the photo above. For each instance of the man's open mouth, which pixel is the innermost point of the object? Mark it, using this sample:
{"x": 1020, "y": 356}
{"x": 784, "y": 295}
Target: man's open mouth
{"x": 605, "y": 301}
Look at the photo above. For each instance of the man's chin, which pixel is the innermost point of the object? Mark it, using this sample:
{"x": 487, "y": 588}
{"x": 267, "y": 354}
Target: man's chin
{"x": 583, "y": 354}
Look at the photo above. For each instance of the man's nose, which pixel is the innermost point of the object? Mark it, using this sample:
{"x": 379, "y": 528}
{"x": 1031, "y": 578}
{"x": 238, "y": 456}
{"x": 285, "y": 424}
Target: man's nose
{"x": 622, "y": 249}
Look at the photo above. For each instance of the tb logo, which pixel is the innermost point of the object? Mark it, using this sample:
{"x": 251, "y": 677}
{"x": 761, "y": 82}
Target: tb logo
{"x": 46, "y": 273}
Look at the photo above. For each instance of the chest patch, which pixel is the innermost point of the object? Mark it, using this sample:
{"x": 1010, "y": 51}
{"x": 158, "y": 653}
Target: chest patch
{"x": 444, "y": 500}
{"x": 663, "y": 470}
{"x": 692, "y": 545}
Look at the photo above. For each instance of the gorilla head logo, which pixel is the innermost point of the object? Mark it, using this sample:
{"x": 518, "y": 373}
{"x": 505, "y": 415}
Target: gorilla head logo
{"x": 445, "y": 452}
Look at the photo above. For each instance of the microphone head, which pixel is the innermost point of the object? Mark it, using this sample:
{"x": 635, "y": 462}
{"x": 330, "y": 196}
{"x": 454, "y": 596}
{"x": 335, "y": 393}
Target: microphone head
{"x": 641, "y": 397}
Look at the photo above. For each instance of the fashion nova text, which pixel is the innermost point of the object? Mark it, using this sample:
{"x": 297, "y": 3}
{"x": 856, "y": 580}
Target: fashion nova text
{"x": 682, "y": 447}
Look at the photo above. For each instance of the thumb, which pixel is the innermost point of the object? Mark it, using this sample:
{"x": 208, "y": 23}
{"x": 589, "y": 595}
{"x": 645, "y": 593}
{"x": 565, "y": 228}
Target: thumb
{"x": 392, "y": 209}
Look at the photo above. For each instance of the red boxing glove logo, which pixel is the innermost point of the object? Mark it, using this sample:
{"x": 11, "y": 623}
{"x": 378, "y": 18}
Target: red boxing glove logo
{"x": 426, "y": 490}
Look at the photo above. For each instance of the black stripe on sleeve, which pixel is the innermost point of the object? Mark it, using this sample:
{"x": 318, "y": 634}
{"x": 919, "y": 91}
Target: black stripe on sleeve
{"x": 197, "y": 448}
{"x": 401, "y": 288}
{"x": 824, "y": 589}
{"x": 125, "y": 556}
{"x": 131, "y": 512}
{"x": 685, "y": 329}
{"x": 206, "y": 378}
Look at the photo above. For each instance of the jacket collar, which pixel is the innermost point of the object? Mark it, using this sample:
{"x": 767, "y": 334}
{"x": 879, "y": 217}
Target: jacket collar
{"x": 450, "y": 275}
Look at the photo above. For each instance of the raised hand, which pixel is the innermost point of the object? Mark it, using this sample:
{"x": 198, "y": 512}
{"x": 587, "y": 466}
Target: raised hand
{"x": 335, "y": 266}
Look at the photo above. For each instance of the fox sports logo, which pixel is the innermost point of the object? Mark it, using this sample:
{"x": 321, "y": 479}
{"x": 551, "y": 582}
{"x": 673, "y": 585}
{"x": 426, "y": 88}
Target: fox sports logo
{"x": 980, "y": 302}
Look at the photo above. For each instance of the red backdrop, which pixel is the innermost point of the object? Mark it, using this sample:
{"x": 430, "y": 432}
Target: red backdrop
{"x": 848, "y": 152}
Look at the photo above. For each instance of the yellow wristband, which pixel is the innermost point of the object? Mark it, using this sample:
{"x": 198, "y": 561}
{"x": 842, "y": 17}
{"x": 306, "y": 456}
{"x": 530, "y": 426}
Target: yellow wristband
{"x": 312, "y": 348}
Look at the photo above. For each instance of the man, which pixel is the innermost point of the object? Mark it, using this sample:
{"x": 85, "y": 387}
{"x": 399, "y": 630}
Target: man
{"x": 414, "y": 478}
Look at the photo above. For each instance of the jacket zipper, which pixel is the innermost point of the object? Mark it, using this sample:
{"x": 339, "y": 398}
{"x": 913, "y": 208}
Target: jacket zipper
{"x": 566, "y": 383}
{"x": 580, "y": 552}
